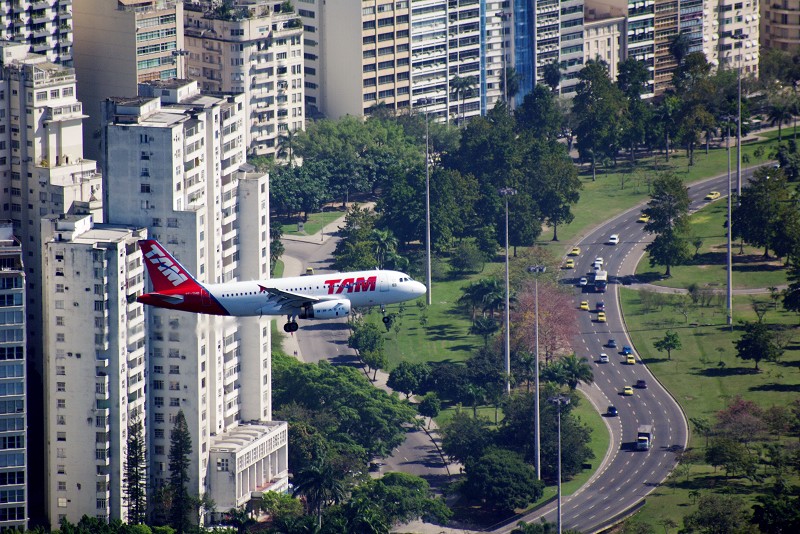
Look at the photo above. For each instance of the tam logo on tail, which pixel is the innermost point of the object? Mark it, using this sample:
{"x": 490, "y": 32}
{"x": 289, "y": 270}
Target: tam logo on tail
{"x": 165, "y": 265}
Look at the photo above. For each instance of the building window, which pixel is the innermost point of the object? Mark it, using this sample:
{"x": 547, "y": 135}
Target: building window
{"x": 61, "y": 403}
{"x": 144, "y": 188}
{"x": 61, "y": 386}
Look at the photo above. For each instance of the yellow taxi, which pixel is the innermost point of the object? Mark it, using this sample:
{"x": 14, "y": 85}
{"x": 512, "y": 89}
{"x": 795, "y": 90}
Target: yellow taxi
{"x": 585, "y": 305}
{"x": 630, "y": 359}
{"x": 569, "y": 264}
{"x": 713, "y": 195}
{"x": 601, "y": 317}
{"x": 627, "y": 391}
{"x": 575, "y": 251}
{"x": 643, "y": 218}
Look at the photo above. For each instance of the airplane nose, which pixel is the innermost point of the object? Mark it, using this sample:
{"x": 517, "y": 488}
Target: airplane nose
{"x": 418, "y": 289}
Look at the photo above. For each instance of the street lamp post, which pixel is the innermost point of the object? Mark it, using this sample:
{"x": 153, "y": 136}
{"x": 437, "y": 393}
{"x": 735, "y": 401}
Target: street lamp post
{"x": 536, "y": 270}
{"x": 739, "y": 37}
{"x": 559, "y": 400}
{"x": 729, "y": 295}
{"x": 428, "y": 276}
{"x": 506, "y": 192}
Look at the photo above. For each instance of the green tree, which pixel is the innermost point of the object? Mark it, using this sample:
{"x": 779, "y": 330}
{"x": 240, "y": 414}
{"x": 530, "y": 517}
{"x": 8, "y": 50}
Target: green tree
{"x": 779, "y": 112}
{"x": 285, "y": 145}
{"x": 668, "y": 343}
{"x": 551, "y": 73}
{"x": 374, "y": 360}
{"x": 718, "y": 514}
{"x": 276, "y": 248}
{"x": 467, "y": 258}
{"x": 758, "y": 343}
{"x": 540, "y": 114}
{"x": 385, "y": 244}
{"x": 668, "y": 208}
{"x": 503, "y": 480}
{"x": 407, "y": 377}
{"x": 321, "y": 485}
{"x": 763, "y": 210}
{"x": 135, "y": 475}
{"x": 430, "y": 405}
{"x": 402, "y": 497}
{"x": 569, "y": 371}
{"x": 465, "y": 437}
{"x": 485, "y": 327}
{"x": 180, "y": 450}
{"x": 462, "y": 88}
{"x": 365, "y": 337}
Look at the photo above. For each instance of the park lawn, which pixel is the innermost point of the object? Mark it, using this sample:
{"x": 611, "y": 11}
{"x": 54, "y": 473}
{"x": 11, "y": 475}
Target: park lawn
{"x": 316, "y": 221}
{"x": 703, "y": 376}
{"x": 445, "y": 338}
{"x": 750, "y": 270}
{"x": 607, "y": 196}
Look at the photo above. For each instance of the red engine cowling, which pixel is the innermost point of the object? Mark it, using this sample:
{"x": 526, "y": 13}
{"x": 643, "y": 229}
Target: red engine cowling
{"x": 327, "y": 309}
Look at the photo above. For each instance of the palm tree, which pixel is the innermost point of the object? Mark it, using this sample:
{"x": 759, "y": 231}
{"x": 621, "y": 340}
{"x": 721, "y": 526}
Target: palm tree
{"x": 481, "y": 293}
{"x": 462, "y": 87}
{"x": 286, "y": 145}
{"x": 321, "y": 485}
{"x": 780, "y": 113}
{"x": 576, "y": 370}
{"x": 385, "y": 245}
{"x": 485, "y": 327}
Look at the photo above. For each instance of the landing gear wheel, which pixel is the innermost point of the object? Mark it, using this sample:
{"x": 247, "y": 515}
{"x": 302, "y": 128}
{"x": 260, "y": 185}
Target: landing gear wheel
{"x": 291, "y": 327}
{"x": 385, "y": 320}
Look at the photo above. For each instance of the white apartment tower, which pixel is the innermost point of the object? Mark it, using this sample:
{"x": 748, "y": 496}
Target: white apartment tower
{"x": 402, "y": 55}
{"x": 256, "y": 49}
{"x": 724, "y": 22}
{"x": 95, "y": 365}
{"x": 14, "y": 458}
{"x": 180, "y": 154}
{"x": 120, "y": 44}
{"x": 44, "y": 26}
{"x": 43, "y": 171}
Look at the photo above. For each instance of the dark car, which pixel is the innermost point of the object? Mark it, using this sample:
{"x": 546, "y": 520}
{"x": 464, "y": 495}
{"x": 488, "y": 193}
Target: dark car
{"x": 612, "y": 344}
{"x": 641, "y": 384}
{"x": 600, "y": 306}
{"x": 626, "y": 349}
{"x": 612, "y": 411}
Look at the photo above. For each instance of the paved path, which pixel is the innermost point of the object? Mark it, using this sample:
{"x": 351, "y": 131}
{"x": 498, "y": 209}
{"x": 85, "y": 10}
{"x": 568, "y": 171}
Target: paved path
{"x": 678, "y": 290}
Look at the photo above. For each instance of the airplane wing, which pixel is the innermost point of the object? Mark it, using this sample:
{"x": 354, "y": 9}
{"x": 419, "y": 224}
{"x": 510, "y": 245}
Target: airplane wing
{"x": 287, "y": 300}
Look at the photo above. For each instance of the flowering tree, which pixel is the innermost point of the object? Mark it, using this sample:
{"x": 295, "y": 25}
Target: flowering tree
{"x": 557, "y": 321}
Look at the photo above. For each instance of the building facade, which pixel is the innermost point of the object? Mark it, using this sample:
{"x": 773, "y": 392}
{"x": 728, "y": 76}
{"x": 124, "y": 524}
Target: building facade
{"x": 780, "y": 25}
{"x": 180, "y": 153}
{"x": 95, "y": 363}
{"x": 45, "y": 27}
{"x": 730, "y": 34}
{"x": 256, "y": 49}
{"x": 674, "y": 17}
{"x": 119, "y": 44}
{"x": 14, "y": 438}
{"x": 605, "y": 40}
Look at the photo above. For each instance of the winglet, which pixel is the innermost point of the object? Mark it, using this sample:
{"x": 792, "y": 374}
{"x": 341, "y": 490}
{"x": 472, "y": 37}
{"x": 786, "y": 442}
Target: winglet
{"x": 166, "y": 273}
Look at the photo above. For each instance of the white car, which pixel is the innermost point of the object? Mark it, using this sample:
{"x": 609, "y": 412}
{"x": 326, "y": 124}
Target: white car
{"x": 598, "y": 261}
{"x": 603, "y": 357}
{"x": 583, "y": 281}
{"x": 613, "y": 240}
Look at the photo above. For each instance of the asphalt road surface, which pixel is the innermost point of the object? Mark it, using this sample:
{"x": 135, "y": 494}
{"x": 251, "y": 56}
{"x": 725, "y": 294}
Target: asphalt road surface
{"x": 629, "y": 475}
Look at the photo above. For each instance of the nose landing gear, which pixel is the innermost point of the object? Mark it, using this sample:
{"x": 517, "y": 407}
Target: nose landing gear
{"x": 383, "y": 311}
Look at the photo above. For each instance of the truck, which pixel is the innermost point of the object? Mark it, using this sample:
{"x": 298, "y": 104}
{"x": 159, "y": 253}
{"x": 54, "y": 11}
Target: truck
{"x": 600, "y": 281}
{"x": 644, "y": 438}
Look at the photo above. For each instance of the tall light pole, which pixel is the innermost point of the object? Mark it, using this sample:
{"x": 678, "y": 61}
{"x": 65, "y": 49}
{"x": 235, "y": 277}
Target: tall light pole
{"x": 559, "y": 400}
{"x": 536, "y": 270}
{"x": 428, "y": 277}
{"x": 506, "y": 192}
{"x": 729, "y": 295}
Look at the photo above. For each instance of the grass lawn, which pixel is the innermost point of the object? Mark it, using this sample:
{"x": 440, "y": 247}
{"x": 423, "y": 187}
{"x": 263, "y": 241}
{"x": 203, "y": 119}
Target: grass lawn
{"x": 703, "y": 376}
{"x": 627, "y": 186}
{"x": 750, "y": 270}
{"x": 314, "y": 224}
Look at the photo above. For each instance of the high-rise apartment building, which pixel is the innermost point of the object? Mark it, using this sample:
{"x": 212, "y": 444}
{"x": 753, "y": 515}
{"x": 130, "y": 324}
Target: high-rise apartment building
{"x": 14, "y": 457}
{"x": 43, "y": 169}
{"x": 445, "y": 56}
{"x": 674, "y": 17}
{"x": 605, "y": 40}
{"x": 120, "y": 44}
{"x": 780, "y": 25}
{"x": 180, "y": 154}
{"x": 45, "y": 27}
{"x": 94, "y": 342}
{"x": 253, "y": 48}
{"x": 730, "y": 34}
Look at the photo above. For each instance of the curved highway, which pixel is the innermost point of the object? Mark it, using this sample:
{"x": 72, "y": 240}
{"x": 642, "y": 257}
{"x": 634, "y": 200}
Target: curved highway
{"x": 626, "y": 475}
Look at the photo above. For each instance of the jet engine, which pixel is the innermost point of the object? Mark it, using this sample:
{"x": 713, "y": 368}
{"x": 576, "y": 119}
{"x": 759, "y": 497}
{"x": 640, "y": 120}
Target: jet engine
{"x": 326, "y": 309}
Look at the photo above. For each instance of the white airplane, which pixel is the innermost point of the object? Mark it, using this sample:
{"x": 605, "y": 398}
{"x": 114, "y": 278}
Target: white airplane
{"x": 324, "y": 296}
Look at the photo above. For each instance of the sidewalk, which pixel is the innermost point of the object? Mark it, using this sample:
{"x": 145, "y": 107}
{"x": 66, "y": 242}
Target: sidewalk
{"x": 680, "y": 290}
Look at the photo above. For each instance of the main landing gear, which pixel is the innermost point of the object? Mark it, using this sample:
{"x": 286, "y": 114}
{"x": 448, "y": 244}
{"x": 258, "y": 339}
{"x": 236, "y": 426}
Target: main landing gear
{"x": 291, "y": 325}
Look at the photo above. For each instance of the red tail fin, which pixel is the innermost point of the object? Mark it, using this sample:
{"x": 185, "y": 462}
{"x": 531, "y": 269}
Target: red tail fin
{"x": 166, "y": 274}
